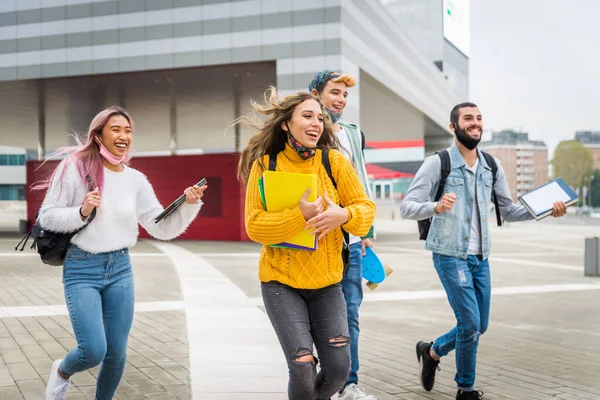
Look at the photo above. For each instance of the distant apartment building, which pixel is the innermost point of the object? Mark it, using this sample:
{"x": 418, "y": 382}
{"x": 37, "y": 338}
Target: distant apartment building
{"x": 525, "y": 162}
{"x": 591, "y": 140}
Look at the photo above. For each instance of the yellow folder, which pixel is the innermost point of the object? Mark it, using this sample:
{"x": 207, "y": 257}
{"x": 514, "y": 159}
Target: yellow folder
{"x": 283, "y": 190}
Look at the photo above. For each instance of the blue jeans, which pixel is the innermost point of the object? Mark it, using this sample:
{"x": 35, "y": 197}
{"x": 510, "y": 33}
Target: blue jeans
{"x": 99, "y": 292}
{"x": 468, "y": 287}
{"x": 353, "y": 293}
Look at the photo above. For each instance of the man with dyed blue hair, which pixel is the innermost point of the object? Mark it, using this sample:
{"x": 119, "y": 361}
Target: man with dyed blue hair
{"x": 332, "y": 89}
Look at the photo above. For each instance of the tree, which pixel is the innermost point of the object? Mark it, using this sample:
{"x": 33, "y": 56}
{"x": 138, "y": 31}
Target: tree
{"x": 573, "y": 163}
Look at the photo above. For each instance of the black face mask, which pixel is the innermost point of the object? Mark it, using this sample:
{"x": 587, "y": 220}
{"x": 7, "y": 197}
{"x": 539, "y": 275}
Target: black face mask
{"x": 464, "y": 138}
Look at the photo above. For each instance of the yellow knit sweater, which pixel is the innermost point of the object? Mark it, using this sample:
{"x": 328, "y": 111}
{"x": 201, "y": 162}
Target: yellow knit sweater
{"x": 304, "y": 269}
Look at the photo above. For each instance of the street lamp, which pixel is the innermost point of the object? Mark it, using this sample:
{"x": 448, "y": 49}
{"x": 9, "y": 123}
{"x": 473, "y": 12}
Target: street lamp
{"x": 590, "y": 190}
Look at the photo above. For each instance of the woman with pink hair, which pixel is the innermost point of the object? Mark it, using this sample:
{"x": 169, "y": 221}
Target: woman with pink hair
{"x": 97, "y": 274}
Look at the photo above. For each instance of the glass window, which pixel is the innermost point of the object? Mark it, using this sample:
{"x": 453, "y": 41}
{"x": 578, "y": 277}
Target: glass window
{"x": 13, "y": 159}
{"x": 22, "y": 159}
{"x": 4, "y": 192}
{"x": 12, "y": 192}
{"x": 20, "y": 192}
{"x": 3, "y": 159}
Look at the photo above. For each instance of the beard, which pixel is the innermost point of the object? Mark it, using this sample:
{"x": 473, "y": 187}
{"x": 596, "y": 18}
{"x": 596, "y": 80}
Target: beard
{"x": 463, "y": 137}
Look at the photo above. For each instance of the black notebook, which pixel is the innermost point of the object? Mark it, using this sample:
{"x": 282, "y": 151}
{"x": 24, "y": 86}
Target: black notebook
{"x": 175, "y": 205}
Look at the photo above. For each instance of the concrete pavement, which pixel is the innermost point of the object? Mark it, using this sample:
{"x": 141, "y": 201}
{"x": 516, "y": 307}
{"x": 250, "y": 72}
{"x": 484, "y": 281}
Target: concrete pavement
{"x": 200, "y": 329}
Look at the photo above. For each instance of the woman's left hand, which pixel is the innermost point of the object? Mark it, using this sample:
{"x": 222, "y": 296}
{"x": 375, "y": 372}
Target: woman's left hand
{"x": 329, "y": 219}
{"x": 193, "y": 194}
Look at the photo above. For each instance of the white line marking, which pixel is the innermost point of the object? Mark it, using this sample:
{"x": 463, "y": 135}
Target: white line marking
{"x": 500, "y": 291}
{"x": 413, "y": 252}
{"x": 534, "y": 244}
{"x": 215, "y": 310}
{"x": 402, "y": 249}
{"x": 536, "y": 263}
{"x": 52, "y": 310}
{"x": 492, "y": 260}
{"x": 440, "y": 294}
{"x": 546, "y": 254}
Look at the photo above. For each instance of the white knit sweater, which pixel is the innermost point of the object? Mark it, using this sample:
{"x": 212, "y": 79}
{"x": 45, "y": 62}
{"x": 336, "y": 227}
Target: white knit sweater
{"x": 127, "y": 198}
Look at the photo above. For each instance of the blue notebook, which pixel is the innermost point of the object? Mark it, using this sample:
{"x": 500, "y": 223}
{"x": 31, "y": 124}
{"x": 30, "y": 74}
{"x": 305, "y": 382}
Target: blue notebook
{"x": 539, "y": 201}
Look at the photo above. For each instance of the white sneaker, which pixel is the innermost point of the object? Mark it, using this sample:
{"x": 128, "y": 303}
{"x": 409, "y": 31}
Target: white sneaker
{"x": 57, "y": 386}
{"x": 354, "y": 392}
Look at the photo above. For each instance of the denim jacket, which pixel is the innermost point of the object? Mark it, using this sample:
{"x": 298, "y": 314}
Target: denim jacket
{"x": 450, "y": 231}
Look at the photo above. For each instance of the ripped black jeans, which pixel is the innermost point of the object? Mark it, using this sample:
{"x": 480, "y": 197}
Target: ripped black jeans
{"x": 301, "y": 318}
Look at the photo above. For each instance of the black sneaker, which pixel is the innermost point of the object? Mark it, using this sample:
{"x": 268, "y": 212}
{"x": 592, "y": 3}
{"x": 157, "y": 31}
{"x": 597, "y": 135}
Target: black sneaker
{"x": 427, "y": 365}
{"x": 474, "y": 395}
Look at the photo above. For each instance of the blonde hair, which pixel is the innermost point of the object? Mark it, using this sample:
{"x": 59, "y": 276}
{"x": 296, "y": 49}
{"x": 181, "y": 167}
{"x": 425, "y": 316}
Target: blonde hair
{"x": 348, "y": 79}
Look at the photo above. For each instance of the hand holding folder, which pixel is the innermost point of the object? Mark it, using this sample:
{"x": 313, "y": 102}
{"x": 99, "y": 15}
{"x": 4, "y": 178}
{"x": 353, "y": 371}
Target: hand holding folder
{"x": 539, "y": 202}
{"x": 283, "y": 190}
{"x": 175, "y": 205}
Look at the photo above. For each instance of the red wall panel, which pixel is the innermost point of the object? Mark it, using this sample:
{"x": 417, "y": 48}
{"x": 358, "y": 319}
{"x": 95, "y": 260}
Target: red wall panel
{"x": 221, "y": 217}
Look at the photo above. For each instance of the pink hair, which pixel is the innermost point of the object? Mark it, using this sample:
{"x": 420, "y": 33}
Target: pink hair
{"x": 86, "y": 156}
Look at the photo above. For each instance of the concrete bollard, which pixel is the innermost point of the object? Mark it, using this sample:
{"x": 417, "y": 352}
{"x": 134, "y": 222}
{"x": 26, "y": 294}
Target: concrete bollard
{"x": 23, "y": 226}
{"x": 592, "y": 257}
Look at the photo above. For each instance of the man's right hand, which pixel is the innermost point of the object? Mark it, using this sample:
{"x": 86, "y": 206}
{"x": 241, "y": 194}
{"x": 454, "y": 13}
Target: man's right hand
{"x": 310, "y": 209}
{"x": 446, "y": 203}
{"x": 91, "y": 200}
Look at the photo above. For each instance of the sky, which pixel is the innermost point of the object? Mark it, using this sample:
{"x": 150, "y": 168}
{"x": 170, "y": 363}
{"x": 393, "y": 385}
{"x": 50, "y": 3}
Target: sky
{"x": 535, "y": 66}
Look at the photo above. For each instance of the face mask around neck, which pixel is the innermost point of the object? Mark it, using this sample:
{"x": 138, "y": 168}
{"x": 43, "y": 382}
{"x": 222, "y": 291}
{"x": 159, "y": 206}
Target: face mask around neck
{"x": 110, "y": 157}
{"x": 303, "y": 151}
{"x": 335, "y": 116}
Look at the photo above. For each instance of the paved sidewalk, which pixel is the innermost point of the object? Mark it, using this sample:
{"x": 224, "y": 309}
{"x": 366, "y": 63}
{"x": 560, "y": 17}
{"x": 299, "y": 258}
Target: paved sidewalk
{"x": 200, "y": 329}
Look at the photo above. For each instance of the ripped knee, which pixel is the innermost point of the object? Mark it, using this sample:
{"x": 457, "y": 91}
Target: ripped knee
{"x": 304, "y": 356}
{"x": 339, "y": 341}
{"x": 474, "y": 336}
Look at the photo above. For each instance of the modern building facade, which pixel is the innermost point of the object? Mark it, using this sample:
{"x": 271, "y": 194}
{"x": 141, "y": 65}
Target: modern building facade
{"x": 525, "y": 162}
{"x": 441, "y": 30}
{"x": 185, "y": 69}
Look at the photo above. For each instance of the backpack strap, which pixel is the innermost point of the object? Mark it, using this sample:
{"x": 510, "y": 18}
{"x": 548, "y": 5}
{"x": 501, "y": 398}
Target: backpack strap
{"x": 489, "y": 159}
{"x": 327, "y": 165}
{"x": 91, "y": 187}
{"x": 90, "y": 184}
{"x": 363, "y": 141}
{"x": 446, "y": 167}
{"x": 272, "y": 162}
{"x": 23, "y": 242}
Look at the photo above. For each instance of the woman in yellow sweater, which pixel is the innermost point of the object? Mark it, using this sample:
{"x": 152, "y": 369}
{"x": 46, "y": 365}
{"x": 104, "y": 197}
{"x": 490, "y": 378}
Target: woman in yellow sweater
{"x": 300, "y": 288}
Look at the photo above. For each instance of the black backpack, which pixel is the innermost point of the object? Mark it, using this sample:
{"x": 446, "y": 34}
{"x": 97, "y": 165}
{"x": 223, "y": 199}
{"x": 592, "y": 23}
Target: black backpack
{"x": 327, "y": 165}
{"x": 52, "y": 246}
{"x": 446, "y": 167}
